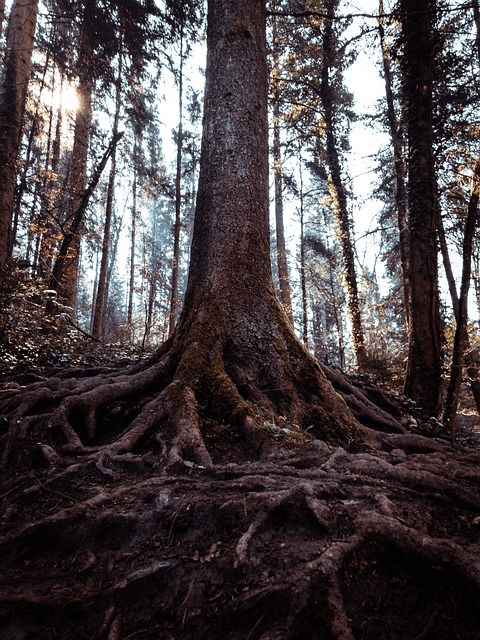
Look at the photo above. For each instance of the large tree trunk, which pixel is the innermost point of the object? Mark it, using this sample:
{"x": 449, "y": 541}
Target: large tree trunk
{"x": 424, "y": 369}
{"x": 13, "y": 93}
{"x": 232, "y": 317}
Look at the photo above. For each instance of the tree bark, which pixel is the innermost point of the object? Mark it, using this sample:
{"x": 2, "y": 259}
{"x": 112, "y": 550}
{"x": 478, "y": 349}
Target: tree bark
{"x": 13, "y": 93}
{"x": 337, "y": 188}
{"x": 424, "y": 368}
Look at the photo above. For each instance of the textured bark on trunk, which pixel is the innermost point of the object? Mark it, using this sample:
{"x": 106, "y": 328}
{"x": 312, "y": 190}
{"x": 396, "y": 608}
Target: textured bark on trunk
{"x": 423, "y": 379}
{"x": 13, "y": 92}
{"x": 337, "y": 189}
{"x": 230, "y": 255}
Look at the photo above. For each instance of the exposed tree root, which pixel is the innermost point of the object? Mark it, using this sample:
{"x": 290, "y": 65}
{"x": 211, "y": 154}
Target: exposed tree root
{"x": 223, "y": 489}
{"x": 329, "y": 544}
{"x": 278, "y": 397}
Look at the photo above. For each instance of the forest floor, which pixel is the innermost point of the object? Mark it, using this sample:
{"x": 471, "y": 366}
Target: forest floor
{"x": 316, "y": 543}
{"x": 468, "y": 420}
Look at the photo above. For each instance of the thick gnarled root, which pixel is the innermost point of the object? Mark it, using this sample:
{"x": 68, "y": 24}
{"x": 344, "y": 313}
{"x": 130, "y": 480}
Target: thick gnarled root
{"x": 328, "y": 540}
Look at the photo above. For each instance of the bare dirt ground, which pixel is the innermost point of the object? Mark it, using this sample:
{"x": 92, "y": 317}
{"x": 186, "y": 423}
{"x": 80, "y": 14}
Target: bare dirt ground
{"x": 468, "y": 420}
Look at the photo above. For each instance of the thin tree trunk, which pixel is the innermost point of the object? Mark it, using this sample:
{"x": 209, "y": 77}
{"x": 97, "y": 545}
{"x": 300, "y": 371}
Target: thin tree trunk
{"x": 337, "y": 188}
{"x": 303, "y": 279}
{"x": 398, "y": 164}
{"x": 27, "y": 163}
{"x": 67, "y": 286}
{"x": 117, "y": 226}
{"x": 283, "y": 276}
{"x": 13, "y": 93}
{"x": 133, "y": 231}
{"x": 178, "y": 199}
{"x": 45, "y": 195}
{"x": 337, "y": 312}
{"x": 2, "y": 16}
{"x": 30, "y": 234}
{"x": 476, "y": 16}
{"x": 22, "y": 181}
{"x": 48, "y": 240}
{"x": 470, "y": 362}
{"x": 94, "y": 290}
{"x": 476, "y": 276}
{"x": 453, "y": 391}
{"x": 152, "y": 291}
{"x": 78, "y": 216}
{"x": 424, "y": 369}
{"x": 100, "y": 299}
